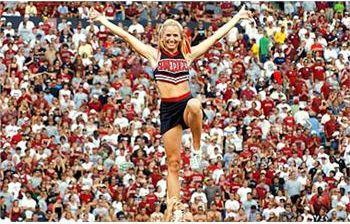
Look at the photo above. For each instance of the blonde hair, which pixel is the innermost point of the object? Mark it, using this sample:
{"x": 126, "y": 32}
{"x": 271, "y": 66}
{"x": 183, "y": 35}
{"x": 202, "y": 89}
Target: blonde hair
{"x": 183, "y": 46}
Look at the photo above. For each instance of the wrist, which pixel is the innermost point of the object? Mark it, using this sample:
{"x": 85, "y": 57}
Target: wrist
{"x": 99, "y": 18}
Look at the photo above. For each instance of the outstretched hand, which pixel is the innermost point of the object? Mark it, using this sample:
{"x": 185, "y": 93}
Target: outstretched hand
{"x": 94, "y": 14}
{"x": 172, "y": 205}
{"x": 244, "y": 14}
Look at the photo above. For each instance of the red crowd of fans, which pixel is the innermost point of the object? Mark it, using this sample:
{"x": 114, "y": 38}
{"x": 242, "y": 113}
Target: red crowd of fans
{"x": 80, "y": 114}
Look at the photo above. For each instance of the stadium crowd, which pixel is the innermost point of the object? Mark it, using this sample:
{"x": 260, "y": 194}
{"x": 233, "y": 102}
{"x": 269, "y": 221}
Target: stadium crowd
{"x": 80, "y": 114}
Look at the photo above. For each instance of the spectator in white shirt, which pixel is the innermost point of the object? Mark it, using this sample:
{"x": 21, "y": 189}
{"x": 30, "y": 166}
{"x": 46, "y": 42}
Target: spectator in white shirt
{"x": 27, "y": 203}
{"x": 199, "y": 193}
{"x": 136, "y": 27}
{"x": 243, "y": 191}
{"x": 232, "y": 205}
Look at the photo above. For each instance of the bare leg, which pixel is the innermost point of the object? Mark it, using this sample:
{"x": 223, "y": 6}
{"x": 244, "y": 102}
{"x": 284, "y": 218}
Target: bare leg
{"x": 172, "y": 144}
{"x": 193, "y": 117}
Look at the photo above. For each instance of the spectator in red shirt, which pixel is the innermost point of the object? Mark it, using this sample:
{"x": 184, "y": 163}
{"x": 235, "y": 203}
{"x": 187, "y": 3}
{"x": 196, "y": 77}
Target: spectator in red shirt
{"x": 330, "y": 126}
{"x": 318, "y": 70}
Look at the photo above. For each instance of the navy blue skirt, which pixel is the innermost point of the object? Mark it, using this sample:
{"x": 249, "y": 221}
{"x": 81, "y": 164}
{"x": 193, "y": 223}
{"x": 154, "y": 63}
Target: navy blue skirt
{"x": 171, "y": 113}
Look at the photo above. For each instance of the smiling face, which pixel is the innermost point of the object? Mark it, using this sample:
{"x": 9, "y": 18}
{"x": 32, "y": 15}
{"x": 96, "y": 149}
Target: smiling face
{"x": 171, "y": 38}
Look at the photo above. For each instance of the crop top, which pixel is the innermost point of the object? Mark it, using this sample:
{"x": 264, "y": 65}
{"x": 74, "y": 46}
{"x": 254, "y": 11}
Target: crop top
{"x": 171, "y": 68}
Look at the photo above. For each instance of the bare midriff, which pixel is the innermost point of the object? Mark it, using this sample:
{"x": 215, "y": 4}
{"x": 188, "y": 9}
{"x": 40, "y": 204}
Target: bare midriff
{"x": 168, "y": 90}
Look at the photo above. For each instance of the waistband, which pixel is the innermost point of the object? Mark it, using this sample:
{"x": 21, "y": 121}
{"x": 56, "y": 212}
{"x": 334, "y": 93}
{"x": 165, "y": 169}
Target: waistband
{"x": 176, "y": 99}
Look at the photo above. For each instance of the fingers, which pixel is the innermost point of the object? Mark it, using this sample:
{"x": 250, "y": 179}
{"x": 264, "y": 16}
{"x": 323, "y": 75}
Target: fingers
{"x": 93, "y": 13}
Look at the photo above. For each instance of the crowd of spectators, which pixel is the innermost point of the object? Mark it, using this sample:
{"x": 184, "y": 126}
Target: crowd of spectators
{"x": 80, "y": 114}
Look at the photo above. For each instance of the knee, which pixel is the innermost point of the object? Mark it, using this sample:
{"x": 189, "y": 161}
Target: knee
{"x": 174, "y": 165}
{"x": 194, "y": 106}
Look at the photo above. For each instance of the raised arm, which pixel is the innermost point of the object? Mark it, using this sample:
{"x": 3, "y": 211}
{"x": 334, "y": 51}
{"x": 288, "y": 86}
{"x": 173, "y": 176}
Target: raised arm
{"x": 203, "y": 47}
{"x": 144, "y": 50}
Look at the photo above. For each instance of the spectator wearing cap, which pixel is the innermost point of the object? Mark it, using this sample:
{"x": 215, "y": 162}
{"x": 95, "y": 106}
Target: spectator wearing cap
{"x": 2, "y": 22}
{"x": 25, "y": 26}
{"x": 306, "y": 216}
{"x": 9, "y": 29}
{"x": 302, "y": 116}
{"x": 211, "y": 190}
